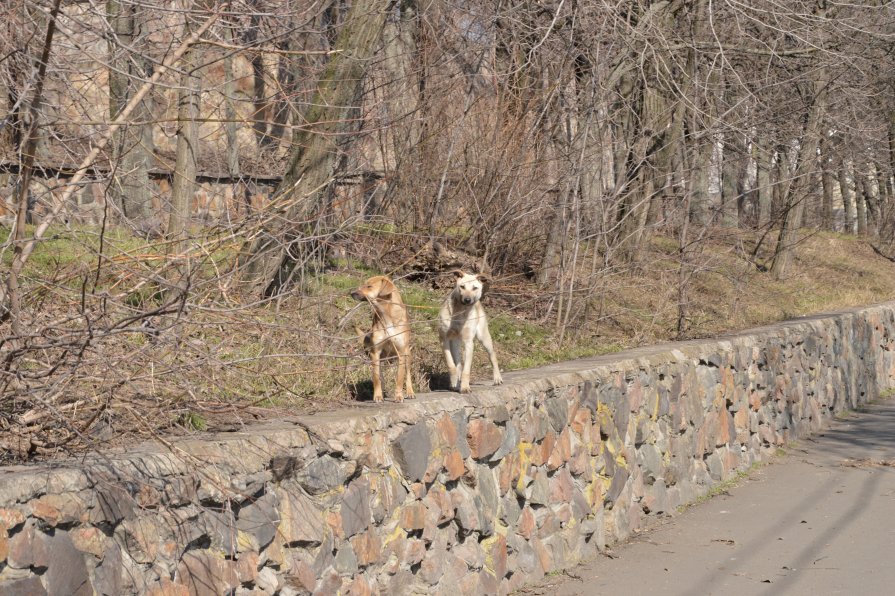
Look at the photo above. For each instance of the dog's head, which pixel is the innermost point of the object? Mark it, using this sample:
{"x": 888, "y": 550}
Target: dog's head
{"x": 378, "y": 287}
{"x": 469, "y": 287}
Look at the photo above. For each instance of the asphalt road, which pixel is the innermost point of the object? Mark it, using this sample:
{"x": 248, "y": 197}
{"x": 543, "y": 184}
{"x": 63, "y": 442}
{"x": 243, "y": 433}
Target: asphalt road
{"x": 818, "y": 520}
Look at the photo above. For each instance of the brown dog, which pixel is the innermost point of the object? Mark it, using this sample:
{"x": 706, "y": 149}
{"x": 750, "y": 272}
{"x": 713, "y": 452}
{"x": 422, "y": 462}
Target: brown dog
{"x": 390, "y": 335}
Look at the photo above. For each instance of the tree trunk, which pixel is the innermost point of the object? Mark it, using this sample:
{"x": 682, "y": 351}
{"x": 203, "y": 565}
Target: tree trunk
{"x": 270, "y": 259}
{"x": 763, "y": 182}
{"x": 260, "y": 110}
{"x": 184, "y": 185}
{"x": 12, "y": 292}
{"x": 860, "y": 202}
{"x": 231, "y": 126}
{"x": 795, "y": 193}
{"x": 130, "y": 188}
{"x": 883, "y": 187}
{"x": 782, "y": 180}
{"x": 826, "y": 181}
{"x": 869, "y": 201}
{"x": 847, "y": 205}
{"x": 401, "y": 100}
{"x": 731, "y": 181}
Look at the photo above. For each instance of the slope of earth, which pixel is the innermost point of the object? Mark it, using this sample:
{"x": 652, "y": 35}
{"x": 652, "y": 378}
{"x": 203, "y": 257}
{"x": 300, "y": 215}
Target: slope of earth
{"x": 98, "y": 371}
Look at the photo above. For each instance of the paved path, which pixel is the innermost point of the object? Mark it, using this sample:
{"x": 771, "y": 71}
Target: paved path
{"x": 819, "y": 520}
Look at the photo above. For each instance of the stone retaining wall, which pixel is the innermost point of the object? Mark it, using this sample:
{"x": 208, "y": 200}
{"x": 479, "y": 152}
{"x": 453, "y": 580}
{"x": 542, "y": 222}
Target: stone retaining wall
{"x": 445, "y": 494}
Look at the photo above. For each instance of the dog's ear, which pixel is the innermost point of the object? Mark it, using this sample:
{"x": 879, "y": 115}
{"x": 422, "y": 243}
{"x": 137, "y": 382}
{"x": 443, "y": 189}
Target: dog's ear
{"x": 457, "y": 273}
{"x": 386, "y": 288}
{"x": 485, "y": 279}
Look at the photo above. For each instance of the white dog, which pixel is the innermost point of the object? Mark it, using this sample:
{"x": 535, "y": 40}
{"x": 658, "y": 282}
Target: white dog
{"x": 462, "y": 318}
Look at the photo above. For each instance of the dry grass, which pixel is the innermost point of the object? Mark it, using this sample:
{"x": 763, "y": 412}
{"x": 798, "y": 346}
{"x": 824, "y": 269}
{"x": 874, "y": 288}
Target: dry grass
{"x": 219, "y": 362}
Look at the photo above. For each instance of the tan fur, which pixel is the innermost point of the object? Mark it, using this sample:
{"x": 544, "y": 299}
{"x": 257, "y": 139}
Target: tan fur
{"x": 462, "y": 319}
{"x": 390, "y": 334}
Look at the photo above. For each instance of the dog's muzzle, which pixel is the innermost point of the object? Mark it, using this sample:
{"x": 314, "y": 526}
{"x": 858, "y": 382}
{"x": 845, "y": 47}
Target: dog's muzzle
{"x": 358, "y": 296}
{"x": 468, "y": 300}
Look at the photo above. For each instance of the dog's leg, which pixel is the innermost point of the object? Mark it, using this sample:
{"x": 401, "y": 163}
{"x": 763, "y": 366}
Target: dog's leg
{"x": 467, "y": 366}
{"x": 485, "y": 338}
{"x": 458, "y": 364}
{"x": 377, "y": 377}
{"x": 409, "y": 373}
{"x": 447, "y": 346}
{"x": 402, "y": 373}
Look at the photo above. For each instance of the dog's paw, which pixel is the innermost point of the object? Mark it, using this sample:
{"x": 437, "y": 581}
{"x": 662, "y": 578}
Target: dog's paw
{"x": 377, "y": 398}
{"x": 399, "y": 397}
{"x": 465, "y": 389}
{"x": 498, "y": 380}
{"x": 411, "y": 395}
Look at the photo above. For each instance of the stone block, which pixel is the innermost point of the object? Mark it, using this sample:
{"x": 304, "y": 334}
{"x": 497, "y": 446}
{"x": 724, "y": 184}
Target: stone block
{"x": 509, "y": 510}
{"x": 114, "y": 503}
{"x": 28, "y": 586}
{"x": 446, "y": 432}
{"x": 495, "y": 549}
{"x": 588, "y": 397}
{"x": 484, "y": 438}
{"x": 367, "y": 548}
{"x": 509, "y": 443}
{"x": 461, "y": 422}
{"x": 346, "y": 562}
{"x": 414, "y": 552}
{"x": 487, "y": 491}
{"x": 527, "y": 523}
{"x": 619, "y": 479}
{"x": 411, "y": 451}
{"x": 471, "y": 552}
{"x": 301, "y": 577}
{"x": 66, "y": 569}
{"x": 468, "y": 507}
{"x": 355, "y": 509}
{"x": 58, "y": 509}
{"x": 323, "y": 558}
{"x": 543, "y": 555}
{"x": 219, "y": 526}
{"x": 268, "y": 581}
{"x": 413, "y": 516}
{"x": 539, "y": 491}
{"x": 454, "y": 464}
{"x": 542, "y": 452}
{"x": 557, "y": 413}
{"x": 441, "y": 503}
{"x": 260, "y": 519}
{"x": 508, "y": 472}
{"x": 88, "y": 539}
{"x": 330, "y": 584}
{"x": 582, "y": 421}
{"x": 206, "y": 572}
{"x": 359, "y": 586}
{"x": 10, "y": 518}
{"x": 28, "y": 548}
{"x": 561, "y": 486}
{"x": 324, "y": 474}
{"x": 432, "y": 567}
{"x": 562, "y": 451}
{"x": 301, "y": 519}
{"x": 108, "y": 576}
{"x": 533, "y": 425}
{"x": 247, "y": 567}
